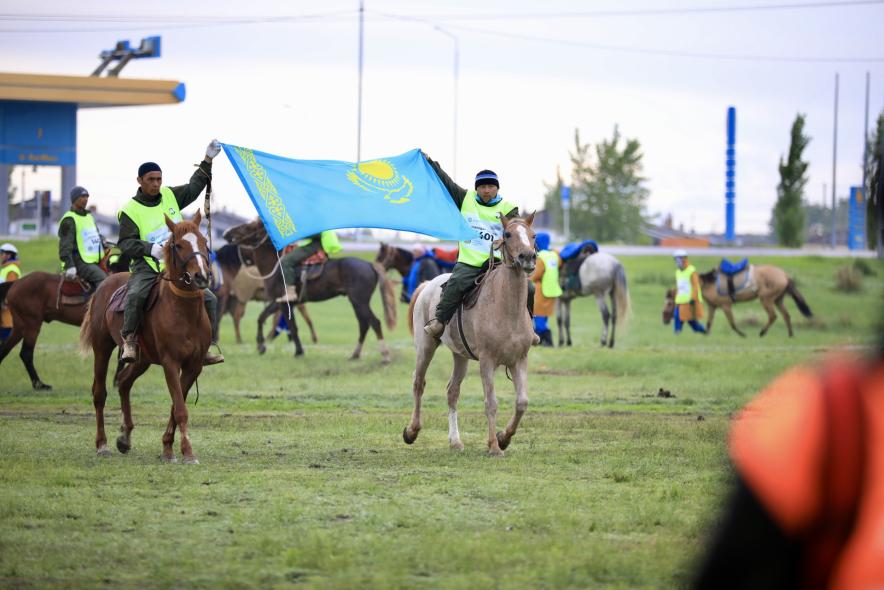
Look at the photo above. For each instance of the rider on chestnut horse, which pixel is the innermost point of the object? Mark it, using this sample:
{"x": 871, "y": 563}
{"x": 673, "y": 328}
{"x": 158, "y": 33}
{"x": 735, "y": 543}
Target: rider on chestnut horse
{"x": 143, "y": 231}
{"x": 80, "y": 244}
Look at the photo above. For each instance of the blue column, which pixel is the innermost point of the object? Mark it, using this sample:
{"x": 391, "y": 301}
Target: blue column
{"x": 730, "y": 175}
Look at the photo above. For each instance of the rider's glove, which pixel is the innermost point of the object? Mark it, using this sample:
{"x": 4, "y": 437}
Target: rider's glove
{"x": 71, "y": 273}
{"x": 213, "y": 149}
{"x": 156, "y": 250}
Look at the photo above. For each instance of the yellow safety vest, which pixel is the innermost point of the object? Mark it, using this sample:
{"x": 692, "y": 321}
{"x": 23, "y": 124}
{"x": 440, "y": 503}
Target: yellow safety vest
{"x": 486, "y": 223}
{"x": 328, "y": 240}
{"x": 7, "y": 269}
{"x": 683, "y": 285}
{"x": 88, "y": 238}
{"x": 151, "y": 221}
{"x": 549, "y": 282}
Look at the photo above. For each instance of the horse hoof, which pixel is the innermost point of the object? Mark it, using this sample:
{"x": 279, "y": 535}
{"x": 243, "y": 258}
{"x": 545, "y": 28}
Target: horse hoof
{"x": 495, "y": 453}
{"x": 385, "y": 360}
{"x": 408, "y": 439}
{"x": 40, "y": 386}
{"x": 299, "y": 352}
{"x": 262, "y": 349}
{"x": 103, "y": 452}
{"x": 502, "y": 441}
{"x": 457, "y": 446}
{"x": 191, "y": 461}
{"x": 123, "y": 445}
{"x": 169, "y": 458}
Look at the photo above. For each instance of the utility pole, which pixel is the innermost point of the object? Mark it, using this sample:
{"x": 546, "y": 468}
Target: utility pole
{"x": 834, "y": 163}
{"x": 359, "y": 109}
{"x": 866, "y": 194}
{"x": 879, "y": 198}
{"x": 456, "y": 84}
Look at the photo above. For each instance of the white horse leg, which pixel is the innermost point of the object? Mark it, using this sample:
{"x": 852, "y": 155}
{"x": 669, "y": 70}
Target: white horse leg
{"x": 486, "y": 369}
{"x": 426, "y": 348}
{"x": 613, "y": 316}
{"x": 520, "y": 382}
{"x": 606, "y": 316}
{"x": 457, "y": 376}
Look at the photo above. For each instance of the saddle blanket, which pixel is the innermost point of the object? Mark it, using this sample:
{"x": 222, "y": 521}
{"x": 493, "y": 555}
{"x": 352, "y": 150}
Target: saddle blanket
{"x": 117, "y": 303}
{"x": 747, "y": 281}
{"x": 732, "y": 268}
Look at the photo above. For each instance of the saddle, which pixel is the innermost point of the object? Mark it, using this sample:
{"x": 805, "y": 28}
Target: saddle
{"x": 312, "y": 267}
{"x": 73, "y": 292}
{"x": 472, "y": 296}
{"x": 117, "y": 303}
{"x": 731, "y": 271}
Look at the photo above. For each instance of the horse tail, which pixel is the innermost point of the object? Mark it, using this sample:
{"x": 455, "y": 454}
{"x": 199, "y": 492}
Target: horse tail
{"x": 387, "y": 295}
{"x": 86, "y": 330}
{"x": 792, "y": 290}
{"x": 4, "y": 289}
{"x": 621, "y": 295}
{"x": 411, "y": 307}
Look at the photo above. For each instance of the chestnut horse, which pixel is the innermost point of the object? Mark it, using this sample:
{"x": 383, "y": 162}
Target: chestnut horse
{"x": 175, "y": 334}
{"x": 496, "y": 330}
{"x": 34, "y": 299}
{"x": 353, "y": 277}
{"x": 767, "y": 283}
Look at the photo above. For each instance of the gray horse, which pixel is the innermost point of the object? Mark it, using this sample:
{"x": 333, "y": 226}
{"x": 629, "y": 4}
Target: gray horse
{"x": 496, "y": 331}
{"x": 603, "y": 276}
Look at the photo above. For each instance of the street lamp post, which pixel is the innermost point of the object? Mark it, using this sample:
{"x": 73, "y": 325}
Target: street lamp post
{"x": 456, "y": 81}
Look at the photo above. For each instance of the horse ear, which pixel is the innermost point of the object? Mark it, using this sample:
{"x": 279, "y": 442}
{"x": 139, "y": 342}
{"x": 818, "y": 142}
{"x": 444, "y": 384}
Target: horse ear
{"x": 503, "y": 219}
{"x": 169, "y": 223}
{"x": 530, "y": 219}
{"x": 197, "y": 218}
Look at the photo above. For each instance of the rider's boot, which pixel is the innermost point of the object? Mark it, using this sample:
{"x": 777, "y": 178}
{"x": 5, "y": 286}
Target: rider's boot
{"x": 130, "y": 348}
{"x": 434, "y": 328}
{"x": 213, "y": 359}
{"x": 209, "y": 358}
{"x": 291, "y": 295}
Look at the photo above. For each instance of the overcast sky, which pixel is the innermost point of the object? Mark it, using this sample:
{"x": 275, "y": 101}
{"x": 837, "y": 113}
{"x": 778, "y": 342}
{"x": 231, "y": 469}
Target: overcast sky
{"x": 530, "y": 74}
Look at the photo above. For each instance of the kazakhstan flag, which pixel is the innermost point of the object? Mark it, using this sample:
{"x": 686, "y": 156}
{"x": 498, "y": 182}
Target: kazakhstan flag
{"x": 299, "y": 198}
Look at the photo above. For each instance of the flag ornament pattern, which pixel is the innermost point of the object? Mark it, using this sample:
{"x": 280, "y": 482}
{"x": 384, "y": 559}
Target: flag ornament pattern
{"x": 299, "y": 198}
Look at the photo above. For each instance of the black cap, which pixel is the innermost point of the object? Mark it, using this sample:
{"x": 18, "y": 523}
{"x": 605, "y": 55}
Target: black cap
{"x": 77, "y": 192}
{"x": 148, "y": 167}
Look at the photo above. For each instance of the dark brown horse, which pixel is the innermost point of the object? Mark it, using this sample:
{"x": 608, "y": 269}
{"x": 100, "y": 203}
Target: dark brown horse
{"x": 401, "y": 259}
{"x": 353, "y": 277}
{"x": 34, "y": 299}
{"x": 175, "y": 334}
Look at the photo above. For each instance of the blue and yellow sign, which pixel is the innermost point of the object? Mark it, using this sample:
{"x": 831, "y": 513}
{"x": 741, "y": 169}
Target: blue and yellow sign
{"x": 299, "y": 198}
{"x": 38, "y": 133}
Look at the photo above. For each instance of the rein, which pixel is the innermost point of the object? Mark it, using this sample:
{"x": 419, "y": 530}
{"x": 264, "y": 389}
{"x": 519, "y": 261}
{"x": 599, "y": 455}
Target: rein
{"x": 185, "y": 277}
{"x": 246, "y": 267}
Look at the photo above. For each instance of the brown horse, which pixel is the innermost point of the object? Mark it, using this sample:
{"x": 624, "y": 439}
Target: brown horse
{"x": 34, "y": 299}
{"x": 496, "y": 330}
{"x": 175, "y": 334}
{"x": 769, "y": 284}
{"x": 242, "y": 283}
{"x": 353, "y": 277}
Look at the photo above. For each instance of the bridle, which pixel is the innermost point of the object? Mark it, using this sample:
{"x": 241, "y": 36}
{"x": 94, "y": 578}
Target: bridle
{"x": 246, "y": 267}
{"x": 501, "y": 244}
{"x": 185, "y": 277}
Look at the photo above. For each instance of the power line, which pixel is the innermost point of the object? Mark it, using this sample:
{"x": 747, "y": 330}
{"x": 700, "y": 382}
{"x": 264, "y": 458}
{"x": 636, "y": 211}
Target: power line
{"x": 649, "y": 11}
{"x": 640, "y": 50}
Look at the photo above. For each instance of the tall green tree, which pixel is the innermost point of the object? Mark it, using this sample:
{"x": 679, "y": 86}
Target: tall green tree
{"x": 608, "y": 196}
{"x": 873, "y": 158}
{"x": 788, "y": 214}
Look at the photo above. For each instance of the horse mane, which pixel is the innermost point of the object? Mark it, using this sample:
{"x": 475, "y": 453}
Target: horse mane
{"x": 708, "y": 277}
{"x": 227, "y": 256}
{"x": 406, "y": 254}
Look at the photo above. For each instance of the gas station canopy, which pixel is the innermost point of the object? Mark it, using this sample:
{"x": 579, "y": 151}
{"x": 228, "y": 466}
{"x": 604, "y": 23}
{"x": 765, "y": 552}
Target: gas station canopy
{"x": 89, "y": 91}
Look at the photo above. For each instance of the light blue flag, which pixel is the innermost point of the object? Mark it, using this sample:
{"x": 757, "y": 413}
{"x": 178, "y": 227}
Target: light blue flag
{"x": 299, "y": 198}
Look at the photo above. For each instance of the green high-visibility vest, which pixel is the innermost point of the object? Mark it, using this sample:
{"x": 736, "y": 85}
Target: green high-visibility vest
{"x": 549, "y": 282}
{"x": 7, "y": 269}
{"x": 683, "y": 285}
{"x": 485, "y": 222}
{"x": 151, "y": 221}
{"x": 329, "y": 241}
{"x": 88, "y": 238}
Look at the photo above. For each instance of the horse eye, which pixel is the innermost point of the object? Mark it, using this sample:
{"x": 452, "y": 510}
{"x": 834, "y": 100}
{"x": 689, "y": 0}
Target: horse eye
{"x": 506, "y": 235}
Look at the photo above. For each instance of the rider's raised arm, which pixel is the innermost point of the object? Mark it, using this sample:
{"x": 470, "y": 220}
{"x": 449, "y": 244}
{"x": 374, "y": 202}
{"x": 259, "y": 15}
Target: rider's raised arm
{"x": 456, "y": 191}
{"x": 186, "y": 194}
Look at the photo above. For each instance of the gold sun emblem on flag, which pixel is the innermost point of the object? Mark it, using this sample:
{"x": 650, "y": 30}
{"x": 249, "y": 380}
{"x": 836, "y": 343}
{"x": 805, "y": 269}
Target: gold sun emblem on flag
{"x": 380, "y": 176}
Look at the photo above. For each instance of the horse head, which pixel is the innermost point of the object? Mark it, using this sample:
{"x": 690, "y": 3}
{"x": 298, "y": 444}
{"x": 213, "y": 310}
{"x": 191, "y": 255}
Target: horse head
{"x": 517, "y": 243}
{"x": 187, "y": 253}
{"x": 250, "y": 235}
{"x": 669, "y": 307}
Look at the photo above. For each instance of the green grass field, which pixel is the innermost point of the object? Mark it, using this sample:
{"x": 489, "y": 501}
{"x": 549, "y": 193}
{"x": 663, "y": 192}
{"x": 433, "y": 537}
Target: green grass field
{"x": 305, "y": 481}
